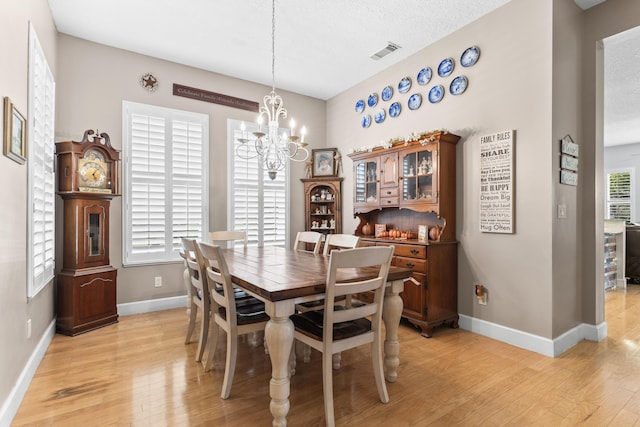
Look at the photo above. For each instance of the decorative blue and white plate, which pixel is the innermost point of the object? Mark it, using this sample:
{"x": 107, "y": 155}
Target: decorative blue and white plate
{"x": 436, "y": 93}
{"x": 366, "y": 121}
{"x": 446, "y": 67}
{"x": 359, "y": 106}
{"x": 395, "y": 109}
{"x": 372, "y": 101}
{"x": 424, "y": 76}
{"x": 387, "y": 93}
{"x": 415, "y": 101}
{"x": 404, "y": 85}
{"x": 458, "y": 85}
{"x": 380, "y": 115}
{"x": 470, "y": 56}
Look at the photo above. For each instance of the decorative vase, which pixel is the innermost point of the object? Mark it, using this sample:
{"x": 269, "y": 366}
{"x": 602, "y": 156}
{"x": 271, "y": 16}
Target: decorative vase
{"x": 366, "y": 229}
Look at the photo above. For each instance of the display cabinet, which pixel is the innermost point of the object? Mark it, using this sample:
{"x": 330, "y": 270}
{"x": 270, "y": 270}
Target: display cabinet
{"x": 414, "y": 186}
{"x": 323, "y": 197}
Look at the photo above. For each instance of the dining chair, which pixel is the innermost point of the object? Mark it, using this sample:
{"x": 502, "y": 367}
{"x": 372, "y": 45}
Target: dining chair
{"x": 337, "y": 328}
{"x": 228, "y": 236}
{"x": 198, "y": 298}
{"x": 340, "y": 241}
{"x": 308, "y": 237}
{"x": 234, "y": 316}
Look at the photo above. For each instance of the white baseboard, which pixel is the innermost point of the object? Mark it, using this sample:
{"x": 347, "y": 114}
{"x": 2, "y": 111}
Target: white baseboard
{"x": 148, "y": 306}
{"x": 12, "y": 404}
{"x": 538, "y": 344}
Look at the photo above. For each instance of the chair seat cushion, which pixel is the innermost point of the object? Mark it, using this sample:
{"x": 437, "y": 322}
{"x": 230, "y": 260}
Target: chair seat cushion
{"x": 310, "y": 323}
{"x": 248, "y": 310}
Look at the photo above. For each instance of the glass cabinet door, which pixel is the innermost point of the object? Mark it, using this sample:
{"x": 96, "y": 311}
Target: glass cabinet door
{"x": 372, "y": 182}
{"x": 367, "y": 183}
{"x": 419, "y": 176}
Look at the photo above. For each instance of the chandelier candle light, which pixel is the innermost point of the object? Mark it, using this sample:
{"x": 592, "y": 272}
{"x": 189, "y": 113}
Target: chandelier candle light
{"x": 274, "y": 149}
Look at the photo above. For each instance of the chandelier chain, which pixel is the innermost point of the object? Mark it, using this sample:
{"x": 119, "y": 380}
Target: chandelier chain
{"x": 273, "y": 45}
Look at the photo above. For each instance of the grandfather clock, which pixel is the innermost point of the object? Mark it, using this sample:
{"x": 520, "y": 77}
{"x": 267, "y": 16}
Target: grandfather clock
{"x": 87, "y": 181}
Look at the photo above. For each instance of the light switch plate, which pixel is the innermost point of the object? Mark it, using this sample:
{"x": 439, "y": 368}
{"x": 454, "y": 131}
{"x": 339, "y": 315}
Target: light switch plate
{"x": 562, "y": 211}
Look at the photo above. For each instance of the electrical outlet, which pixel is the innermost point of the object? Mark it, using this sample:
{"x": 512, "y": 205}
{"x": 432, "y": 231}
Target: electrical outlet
{"x": 158, "y": 282}
{"x": 28, "y": 328}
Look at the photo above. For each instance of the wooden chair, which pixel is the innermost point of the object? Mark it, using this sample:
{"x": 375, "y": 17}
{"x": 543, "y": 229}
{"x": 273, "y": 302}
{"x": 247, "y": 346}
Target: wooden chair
{"x": 340, "y": 241}
{"x": 310, "y": 237}
{"x": 336, "y": 328}
{"x": 234, "y": 316}
{"x": 198, "y": 298}
{"x": 228, "y": 236}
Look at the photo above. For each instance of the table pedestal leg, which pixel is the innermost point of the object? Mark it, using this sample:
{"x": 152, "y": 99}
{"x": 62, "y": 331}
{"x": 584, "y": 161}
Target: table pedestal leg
{"x": 391, "y": 313}
{"x": 279, "y": 335}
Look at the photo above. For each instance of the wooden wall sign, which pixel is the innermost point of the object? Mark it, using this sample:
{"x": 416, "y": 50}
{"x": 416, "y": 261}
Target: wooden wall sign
{"x": 214, "y": 98}
{"x": 496, "y": 182}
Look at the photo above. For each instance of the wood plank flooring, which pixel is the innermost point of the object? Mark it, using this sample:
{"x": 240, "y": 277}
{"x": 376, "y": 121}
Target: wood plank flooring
{"x": 139, "y": 372}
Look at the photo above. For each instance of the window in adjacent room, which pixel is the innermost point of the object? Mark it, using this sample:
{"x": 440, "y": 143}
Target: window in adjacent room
{"x": 256, "y": 203}
{"x": 620, "y": 195}
{"x": 165, "y": 176}
{"x": 41, "y": 148}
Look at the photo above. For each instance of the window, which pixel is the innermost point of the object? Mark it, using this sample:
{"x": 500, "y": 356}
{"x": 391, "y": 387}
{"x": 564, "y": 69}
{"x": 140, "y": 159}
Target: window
{"x": 256, "y": 203}
{"x": 41, "y": 148}
{"x": 165, "y": 181}
{"x": 620, "y": 195}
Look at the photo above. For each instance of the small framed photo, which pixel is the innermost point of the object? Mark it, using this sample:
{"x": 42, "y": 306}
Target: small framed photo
{"x": 568, "y": 177}
{"x": 15, "y": 133}
{"x": 324, "y": 162}
{"x": 569, "y": 147}
{"x": 423, "y": 233}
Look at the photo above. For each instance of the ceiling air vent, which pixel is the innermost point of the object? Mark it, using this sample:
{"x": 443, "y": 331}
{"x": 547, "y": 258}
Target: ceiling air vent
{"x": 391, "y": 47}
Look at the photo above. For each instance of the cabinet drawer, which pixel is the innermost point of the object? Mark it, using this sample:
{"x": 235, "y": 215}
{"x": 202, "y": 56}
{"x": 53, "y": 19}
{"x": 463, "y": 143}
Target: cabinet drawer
{"x": 411, "y": 251}
{"x": 417, "y": 265}
{"x": 389, "y": 201}
{"x": 389, "y": 192}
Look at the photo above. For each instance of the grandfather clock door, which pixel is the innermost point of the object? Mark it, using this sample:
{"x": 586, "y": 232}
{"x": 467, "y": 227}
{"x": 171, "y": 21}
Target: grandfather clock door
{"x": 88, "y": 221}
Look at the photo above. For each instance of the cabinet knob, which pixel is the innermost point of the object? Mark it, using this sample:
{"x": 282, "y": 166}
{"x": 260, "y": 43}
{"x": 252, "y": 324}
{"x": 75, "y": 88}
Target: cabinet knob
{"x": 410, "y": 265}
{"x": 414, "y": 251}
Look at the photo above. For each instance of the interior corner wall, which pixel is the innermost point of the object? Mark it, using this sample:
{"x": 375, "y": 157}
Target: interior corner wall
{"x": 509, "y": 89}
{"x": 95, "y": 79}
{"x": 599, "y": 22}
{"x": 567, "y": 289}
{"x": 15, "y": 309}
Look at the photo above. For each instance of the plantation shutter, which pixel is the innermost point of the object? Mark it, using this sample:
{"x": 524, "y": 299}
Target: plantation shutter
{"x": 165, "y": 177}
{"x": 257, "y": 203}
{"x": 619, "y": 195}
{"x": 41, "y": 149}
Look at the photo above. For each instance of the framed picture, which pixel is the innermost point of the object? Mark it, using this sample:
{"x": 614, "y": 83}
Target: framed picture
{"x": 423, "y": 233}
{"x": 324, "y": 163}
{"x": 15, "y": 133}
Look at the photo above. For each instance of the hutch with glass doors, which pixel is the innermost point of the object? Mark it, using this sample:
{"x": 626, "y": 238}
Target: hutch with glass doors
{"x": 323, "y": 212}
{"x": 87, "y": 181}
{"x": 401, "y": 191}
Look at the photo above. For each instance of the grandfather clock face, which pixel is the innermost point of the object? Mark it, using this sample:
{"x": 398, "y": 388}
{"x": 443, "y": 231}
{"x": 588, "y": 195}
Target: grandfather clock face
{"x": 94, "y": 172}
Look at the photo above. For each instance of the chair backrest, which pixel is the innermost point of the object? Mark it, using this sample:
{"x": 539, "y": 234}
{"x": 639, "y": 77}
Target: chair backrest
{"x": 196, "y": 274}
{"x": 228, "y": 236}
{"x": 218, "y": 282}
{"x": 188, "y": 249}
{"x": 371, "y": 256}
{"x": 340, "y": 241}
{"x": 311, "y": 237}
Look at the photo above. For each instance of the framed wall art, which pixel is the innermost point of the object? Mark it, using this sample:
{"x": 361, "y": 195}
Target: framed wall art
{"x": 324, "y": 163}
{"x": 15, "y": 133}
{"x": 569, "y": 151}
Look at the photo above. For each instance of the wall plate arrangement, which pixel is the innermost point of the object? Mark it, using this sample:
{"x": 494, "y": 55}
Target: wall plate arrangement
{"x": 395, "y": 109}
{"x": 366, "y": 121}
{"x": 372, "y": 101}
{"x": 404, "y": 85}
{"x": 436, "y": 93}
{"x": 359, "y": 106}
{"x": 424, "y": 76}
{"x": 458, "y": 85}
{"x": 446, "y": 67}
{"x": 380, "y": 115}
{"x": 415, "y": 101}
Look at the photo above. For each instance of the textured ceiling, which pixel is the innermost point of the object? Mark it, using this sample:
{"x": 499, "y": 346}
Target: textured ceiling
{"x": 323, "y": 47}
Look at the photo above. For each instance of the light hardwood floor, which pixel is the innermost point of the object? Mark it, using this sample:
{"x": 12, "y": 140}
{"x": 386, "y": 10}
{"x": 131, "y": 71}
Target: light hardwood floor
{"x": 139, "y": 373}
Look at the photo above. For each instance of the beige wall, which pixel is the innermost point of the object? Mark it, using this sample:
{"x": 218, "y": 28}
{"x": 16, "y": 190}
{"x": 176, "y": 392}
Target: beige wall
{"x": 15, "y": 348}
{"x": 95, "y": 79}
{"x": 509, "y": 88}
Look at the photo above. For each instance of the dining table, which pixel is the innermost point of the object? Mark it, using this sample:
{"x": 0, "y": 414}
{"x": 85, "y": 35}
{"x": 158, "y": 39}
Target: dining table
{"x": 283, "y": 278}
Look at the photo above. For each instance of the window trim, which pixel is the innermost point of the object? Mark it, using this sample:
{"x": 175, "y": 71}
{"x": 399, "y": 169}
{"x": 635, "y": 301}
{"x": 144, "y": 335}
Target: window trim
{"x": 129, "y": 108}
{"x": 232, "y": 126}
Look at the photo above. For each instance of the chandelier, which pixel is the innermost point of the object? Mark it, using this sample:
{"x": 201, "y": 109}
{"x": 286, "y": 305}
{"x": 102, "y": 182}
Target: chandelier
{"x": 274, "y": 149}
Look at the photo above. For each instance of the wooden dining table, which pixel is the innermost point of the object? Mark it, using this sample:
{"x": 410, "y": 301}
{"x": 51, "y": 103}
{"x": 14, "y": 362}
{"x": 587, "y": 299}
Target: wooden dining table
{"x": 283, "y": 278}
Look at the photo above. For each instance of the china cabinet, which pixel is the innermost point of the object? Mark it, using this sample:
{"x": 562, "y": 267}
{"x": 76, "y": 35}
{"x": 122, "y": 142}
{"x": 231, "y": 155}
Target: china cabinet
{"x": 86, "y": 286}
{"x": 323, "y": 212}
{"x": 403, "y": 187}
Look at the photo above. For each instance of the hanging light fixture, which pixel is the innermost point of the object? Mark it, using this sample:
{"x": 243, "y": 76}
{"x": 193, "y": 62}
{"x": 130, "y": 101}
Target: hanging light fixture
{"x": 274, "y": 149}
